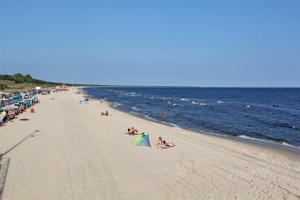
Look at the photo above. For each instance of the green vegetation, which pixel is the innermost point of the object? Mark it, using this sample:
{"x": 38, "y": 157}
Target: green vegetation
{"x": 20, "y": 82}
{"x": 3, "y": 86}
{"x": 19, "y": 78}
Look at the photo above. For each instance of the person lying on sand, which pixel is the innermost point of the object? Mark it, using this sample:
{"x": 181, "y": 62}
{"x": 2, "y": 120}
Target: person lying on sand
{"x": 105, "y": 114}
{"x": 132, "y": 131}
{"x": 163, "y": 144}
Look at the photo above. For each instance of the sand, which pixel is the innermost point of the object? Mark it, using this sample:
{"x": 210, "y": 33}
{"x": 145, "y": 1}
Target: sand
{"x": 68, "y": 151}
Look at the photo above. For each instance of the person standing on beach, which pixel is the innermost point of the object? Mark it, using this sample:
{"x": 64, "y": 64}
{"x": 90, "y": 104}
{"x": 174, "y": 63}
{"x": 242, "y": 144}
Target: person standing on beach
{"x": 164, "y": 115}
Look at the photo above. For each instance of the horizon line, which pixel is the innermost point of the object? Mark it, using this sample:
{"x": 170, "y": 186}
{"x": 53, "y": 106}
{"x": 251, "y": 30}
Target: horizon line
{"x": 181, "y": 86}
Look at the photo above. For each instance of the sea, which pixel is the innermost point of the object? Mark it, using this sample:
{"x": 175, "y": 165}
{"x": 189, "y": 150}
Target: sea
{"x": 263, "y": 114}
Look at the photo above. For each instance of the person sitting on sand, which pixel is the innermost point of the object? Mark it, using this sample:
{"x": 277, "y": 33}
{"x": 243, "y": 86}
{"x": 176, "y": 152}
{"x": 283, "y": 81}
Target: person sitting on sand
{"x": 105, "y": 114}
{"x": 132, "y": 131}
{"x": 4, "y": 116}
{"x": 160, "y": 141}
{"x": 129, "y": 131}
{"x": 32, "y": 110}
{"x": 136, "y": 132}
{"x": 163, "y": 144}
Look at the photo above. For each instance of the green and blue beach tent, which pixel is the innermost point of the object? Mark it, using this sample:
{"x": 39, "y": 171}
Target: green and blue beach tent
{"x": 143, "y": 140}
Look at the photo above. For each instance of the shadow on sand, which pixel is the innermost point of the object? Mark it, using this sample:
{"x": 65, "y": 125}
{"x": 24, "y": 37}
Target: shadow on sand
{"x": 4, "y": 162}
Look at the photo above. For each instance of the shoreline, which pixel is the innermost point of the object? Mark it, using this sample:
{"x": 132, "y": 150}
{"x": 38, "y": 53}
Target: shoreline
{"x": 268, "y": 145}
{"x": 291, "y": 152}
{"x": 274, "y": 140}
{"x": 254, "y": 141}
{"x": 287, "y": 150}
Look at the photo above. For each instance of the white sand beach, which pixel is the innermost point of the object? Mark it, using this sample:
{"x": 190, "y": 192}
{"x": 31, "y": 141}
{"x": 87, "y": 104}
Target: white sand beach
{"x": 68, "y": 151}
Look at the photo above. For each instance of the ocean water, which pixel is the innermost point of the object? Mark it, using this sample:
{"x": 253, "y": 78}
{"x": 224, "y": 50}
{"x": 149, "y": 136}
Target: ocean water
{"x": 270, "y": 114}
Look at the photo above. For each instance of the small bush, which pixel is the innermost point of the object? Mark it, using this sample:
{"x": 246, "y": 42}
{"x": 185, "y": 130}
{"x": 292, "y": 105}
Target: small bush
{"x": 3, "y": 86}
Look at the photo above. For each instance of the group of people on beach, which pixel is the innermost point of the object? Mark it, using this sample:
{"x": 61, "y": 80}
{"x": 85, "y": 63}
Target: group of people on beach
{"x": 132, "y": 131}
{"x": 106, "y": 113}
{"x": 161, "y": 143}
{"x": 4, "y": 116}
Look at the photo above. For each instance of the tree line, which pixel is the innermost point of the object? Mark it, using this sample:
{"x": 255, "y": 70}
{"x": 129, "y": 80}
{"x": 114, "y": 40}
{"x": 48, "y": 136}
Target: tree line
{"x": 19, "y": 78}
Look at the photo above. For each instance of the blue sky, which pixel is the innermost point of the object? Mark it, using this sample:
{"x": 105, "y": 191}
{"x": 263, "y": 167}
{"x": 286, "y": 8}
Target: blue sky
{"x": 188, "y": 43}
